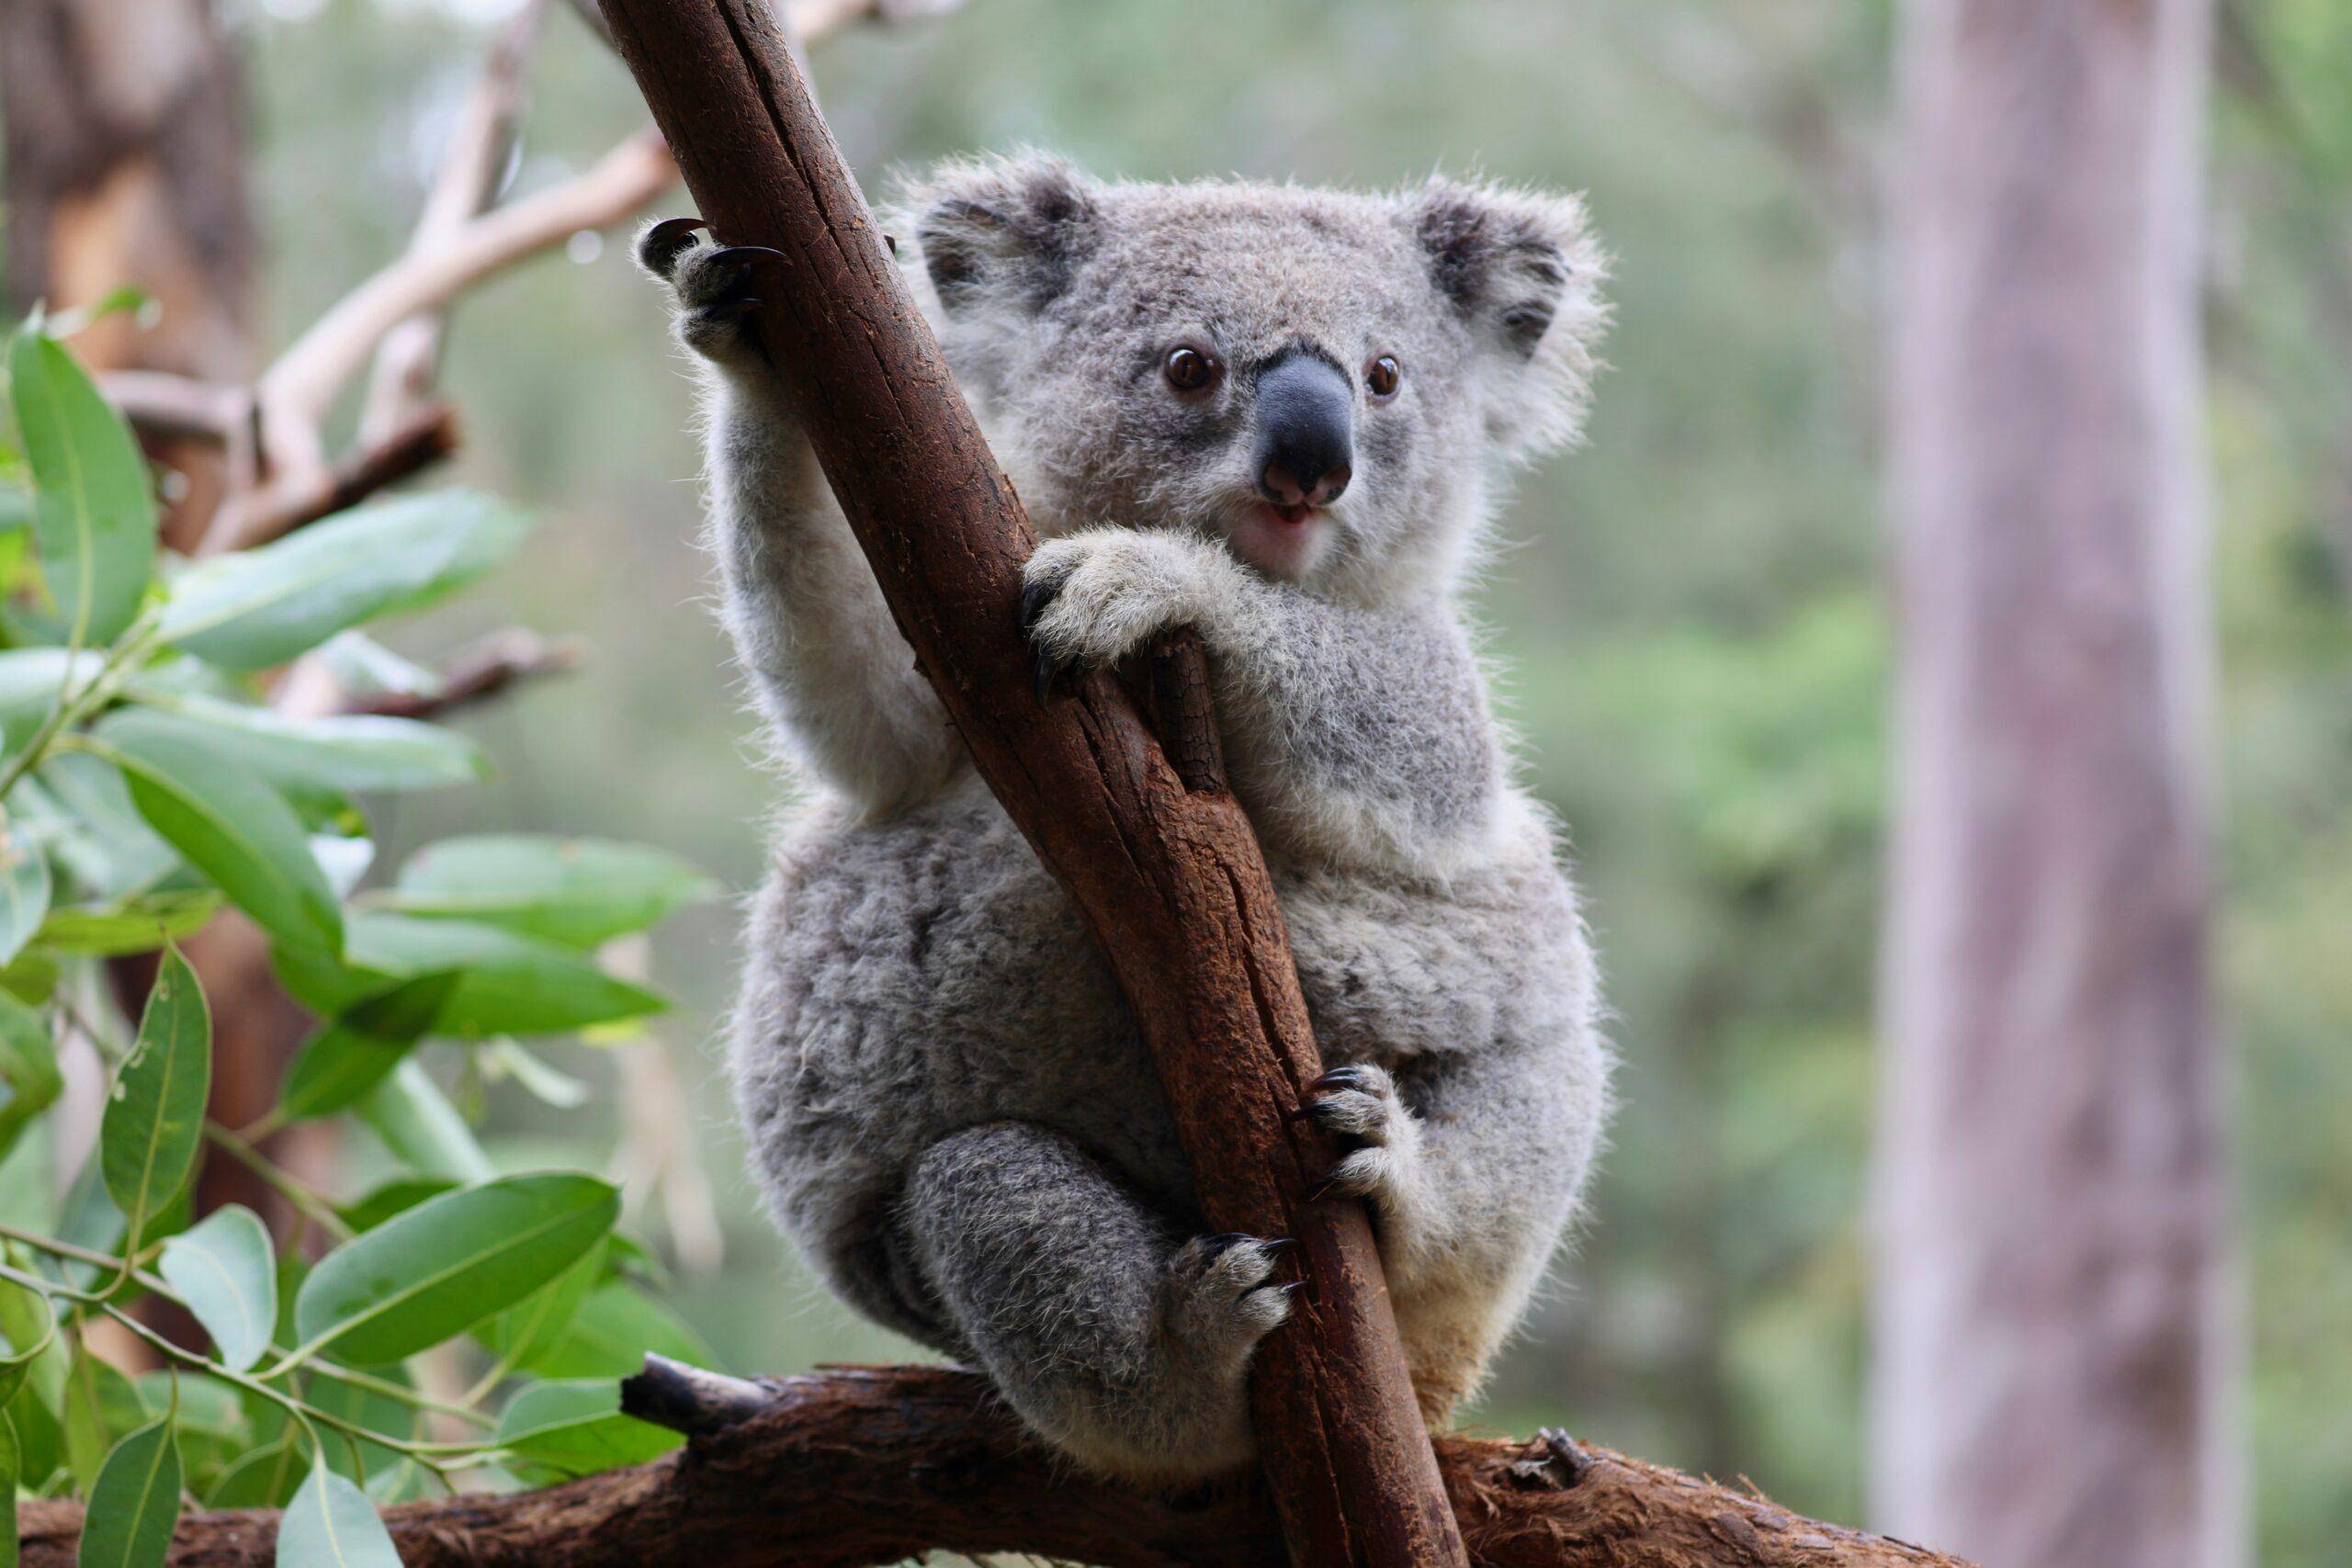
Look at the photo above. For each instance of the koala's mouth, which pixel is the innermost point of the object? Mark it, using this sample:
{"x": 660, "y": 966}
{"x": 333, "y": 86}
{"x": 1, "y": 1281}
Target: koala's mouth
{"x": 1283, "y": 542}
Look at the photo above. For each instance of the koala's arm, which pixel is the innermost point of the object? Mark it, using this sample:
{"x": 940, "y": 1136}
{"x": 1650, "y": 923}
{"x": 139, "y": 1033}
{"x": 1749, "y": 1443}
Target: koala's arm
{"x": 827, "y": 666}
{"x": 1363, "y": 733}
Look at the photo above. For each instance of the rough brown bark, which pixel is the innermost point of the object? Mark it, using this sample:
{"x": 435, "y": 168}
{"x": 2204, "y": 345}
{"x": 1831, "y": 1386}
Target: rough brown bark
{"x": 1169, "y": 878}
{"x": 877, "y": 1465}
{"x": 2053, "y": 1342}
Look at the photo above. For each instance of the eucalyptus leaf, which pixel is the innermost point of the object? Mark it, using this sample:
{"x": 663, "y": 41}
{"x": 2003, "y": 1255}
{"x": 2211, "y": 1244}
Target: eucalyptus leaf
{"x": 94, "y": 519}
{"x": 580, "y": 892}
{"x": 331, "y": 1524}
{"x": 133, "y": 925}
{"x": 537, "y": 1325}
{"x": 424, "y": 1131}
{"x": 90, "y": 1220}
{"x": 577, "y": 1426}
{"x": 99, "y": 838}
{"x": 265, "y": 1478}
{"x": 41, "y": 1439}
{"x": 155, "y": 1124}
{"x": 359, "y": 663}
{"x": 33, "y": 1321}
{"x": 508, "y": 983}
{"x": 358, "y": 751}
{"x": 33, "y": 681}
{"x": 262, "y": 607}
{"x": 12, "y": 1475}
{"x": 225, "y": 1270}
{"x": 134, "y": 1503}
{"x": 24, "y": 890}
{"x": 100, "y": 1404}
{"x": 347, "y": 1060}
{"x": 231, "y": 826}
{"x": 29, "y": 1081}
{"x": 613, "y": 1332}
{"x": 448, "y": 1263}
{"x": 398, "y": 1196}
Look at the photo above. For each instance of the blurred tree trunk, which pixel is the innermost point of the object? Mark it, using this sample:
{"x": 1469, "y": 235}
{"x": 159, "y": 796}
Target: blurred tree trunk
{"x": 125, "y": 134}
{"x": 124, "y": 124}
{"x": 2054, "y": 1341}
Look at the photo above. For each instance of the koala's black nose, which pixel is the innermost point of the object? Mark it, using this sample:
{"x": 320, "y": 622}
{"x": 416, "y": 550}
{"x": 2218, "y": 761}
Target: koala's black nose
{"x": 1305, "y": 408}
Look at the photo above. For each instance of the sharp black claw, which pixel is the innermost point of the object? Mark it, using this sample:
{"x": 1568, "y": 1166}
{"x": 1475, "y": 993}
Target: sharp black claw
{"x": 1226, "y": 1241}
{"x": 1034, "y": 599}
{"x": 1280, "y": 1244}
{"x": 660, "y": 248}
{"x": 1050, "y": 673}
{"x": 740, "y": 256}
{"x": 1288, "y": 1288}
{"x": 1339, "y": 1078}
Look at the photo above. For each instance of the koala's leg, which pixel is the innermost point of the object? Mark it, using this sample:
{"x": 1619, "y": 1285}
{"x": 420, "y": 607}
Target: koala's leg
{"x": 1473, "y": 1163}
{"x": 1119, "y": 1341}
{"x": 831, "y": 670}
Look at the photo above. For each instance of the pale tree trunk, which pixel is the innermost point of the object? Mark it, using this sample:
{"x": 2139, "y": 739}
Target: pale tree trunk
{"x": 2054, "y": 1337}
{"x": 125, "y": 139}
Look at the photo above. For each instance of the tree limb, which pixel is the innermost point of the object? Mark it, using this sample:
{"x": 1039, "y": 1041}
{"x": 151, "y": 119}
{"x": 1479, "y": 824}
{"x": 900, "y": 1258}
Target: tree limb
{"x": 296, "y": 392}
{"x": 483, "y": 670}
{"x": 872, "y": 1465}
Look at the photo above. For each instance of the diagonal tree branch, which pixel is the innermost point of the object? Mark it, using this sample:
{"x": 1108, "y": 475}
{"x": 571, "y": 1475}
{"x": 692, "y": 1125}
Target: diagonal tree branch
{"x": 873, "y": 1465}
{"x": 1165, "y": 868}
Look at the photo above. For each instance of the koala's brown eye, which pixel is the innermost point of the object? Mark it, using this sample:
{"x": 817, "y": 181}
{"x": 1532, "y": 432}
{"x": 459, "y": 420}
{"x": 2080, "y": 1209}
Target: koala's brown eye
{"x": 1188, "y": 369}
{"x": 1380, "y": 377}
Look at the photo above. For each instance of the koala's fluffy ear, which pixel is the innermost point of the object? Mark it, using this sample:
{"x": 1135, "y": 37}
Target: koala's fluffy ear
{"x": 1521, "y": 268}
{"x": 1002, "y": 231}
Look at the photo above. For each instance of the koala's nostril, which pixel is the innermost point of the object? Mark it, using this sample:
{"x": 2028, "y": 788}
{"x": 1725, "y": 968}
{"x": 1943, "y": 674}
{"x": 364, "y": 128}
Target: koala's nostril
{"x": 1279, "y": 485}
{"x": 1332, "y": 485}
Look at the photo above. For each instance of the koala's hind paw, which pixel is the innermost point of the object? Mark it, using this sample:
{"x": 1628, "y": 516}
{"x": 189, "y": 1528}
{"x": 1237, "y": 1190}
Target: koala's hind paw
{"x": 1221, "y": 1297}
{"x": 1359, "y": 1106}
{"x": 712, "y": 285}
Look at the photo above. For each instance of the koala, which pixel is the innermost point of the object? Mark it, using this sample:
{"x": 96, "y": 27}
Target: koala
{"x": 1282, "y": 416}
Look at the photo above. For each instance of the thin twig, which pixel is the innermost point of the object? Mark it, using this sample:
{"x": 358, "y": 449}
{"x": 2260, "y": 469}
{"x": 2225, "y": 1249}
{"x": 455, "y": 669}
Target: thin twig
{"x": 481, "y": 670}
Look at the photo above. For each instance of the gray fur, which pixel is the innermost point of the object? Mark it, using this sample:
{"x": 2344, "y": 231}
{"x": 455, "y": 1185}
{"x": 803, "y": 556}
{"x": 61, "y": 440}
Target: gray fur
{"x": 946, "y": 1098}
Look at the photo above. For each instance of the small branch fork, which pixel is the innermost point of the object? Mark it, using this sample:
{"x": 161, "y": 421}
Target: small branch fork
{"x": 282, "y": 474}
{"x": 871, "y": 1465}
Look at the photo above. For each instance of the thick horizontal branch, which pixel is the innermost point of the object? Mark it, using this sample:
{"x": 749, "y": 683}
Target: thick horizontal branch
{"x": 873, "y": 1465}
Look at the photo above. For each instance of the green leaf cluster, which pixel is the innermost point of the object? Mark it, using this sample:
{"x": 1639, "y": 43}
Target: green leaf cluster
{"x": 150, "y": 781}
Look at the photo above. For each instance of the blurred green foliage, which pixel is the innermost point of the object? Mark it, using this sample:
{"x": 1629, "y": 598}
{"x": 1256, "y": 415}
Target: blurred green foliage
{"x": 1690, "y": 608}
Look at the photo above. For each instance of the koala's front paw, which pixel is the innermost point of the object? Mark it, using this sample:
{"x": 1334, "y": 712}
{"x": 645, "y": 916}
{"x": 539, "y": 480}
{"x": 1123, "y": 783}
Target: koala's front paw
{"x": 1220, "y": 1298}
{"x": 1359, "y": 1106}
{"x": 712, "y": 287}
{"x": 1089, "y": 600}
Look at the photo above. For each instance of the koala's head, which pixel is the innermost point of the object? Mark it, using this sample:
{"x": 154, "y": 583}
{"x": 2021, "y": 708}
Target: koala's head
{"x": 1329, "y": 382}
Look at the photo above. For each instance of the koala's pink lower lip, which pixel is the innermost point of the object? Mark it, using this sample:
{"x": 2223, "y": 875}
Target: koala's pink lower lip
{"x": 1292, "y": 516}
